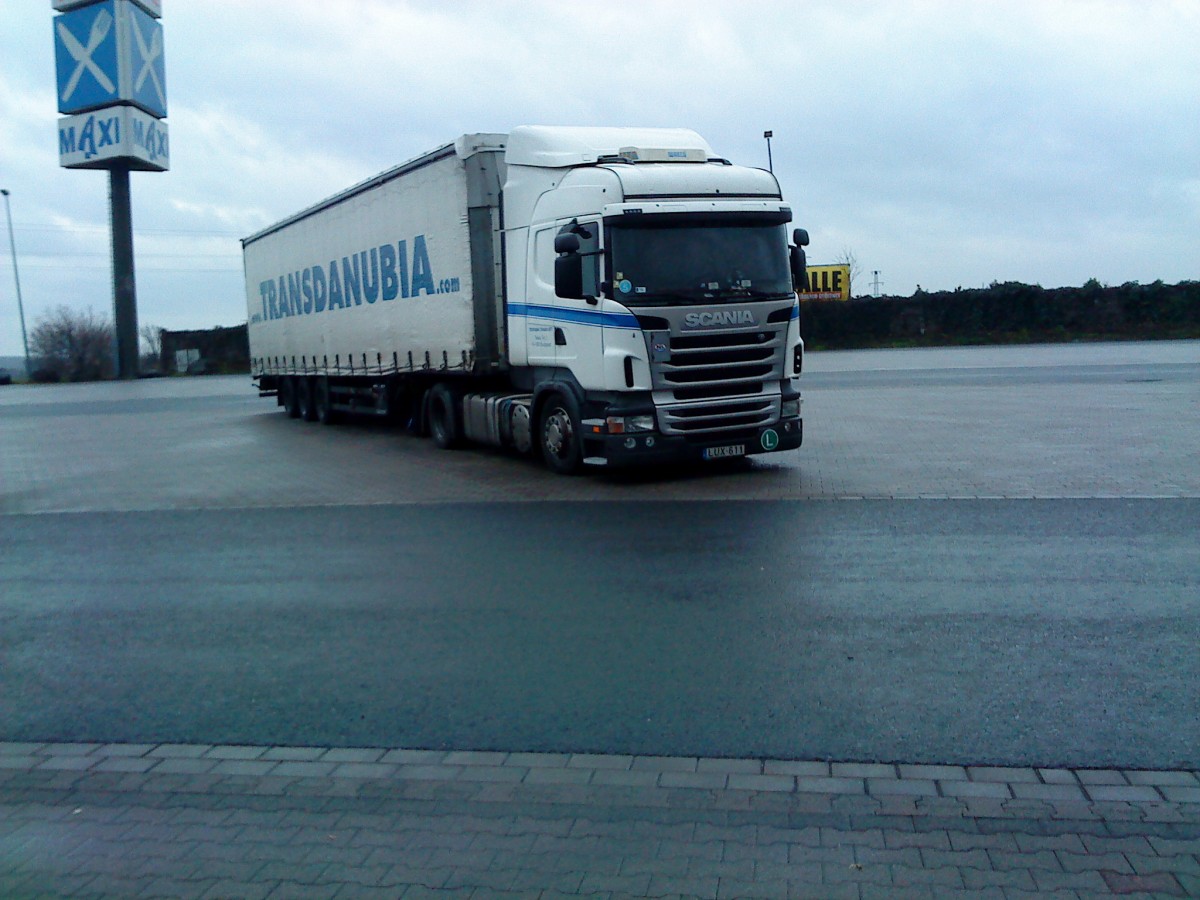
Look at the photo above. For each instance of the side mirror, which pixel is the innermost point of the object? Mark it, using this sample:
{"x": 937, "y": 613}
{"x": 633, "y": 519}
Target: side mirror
{"x": 568, "y": 272}
{"x": 799, "y": 263}
{"x": 800, "y": 236}
{"x": 566, "y": 243}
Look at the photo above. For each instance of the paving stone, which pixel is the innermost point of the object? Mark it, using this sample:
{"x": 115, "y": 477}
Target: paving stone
{"x": 234, "y": 752}
{"x": 181, "y": 751}
{"x": 67, "y": 763}
{"x": 538, "y": 760}
{"x": 600, "y": 761}
{"x": 1055, "y": 792}
{"x": 1181, "y": 794}
{"x": 351, "y": 755}
{"x": 1160, "y": 884}
{"x": 557, "y": 776}
{"x": 934, "y": 773}
{"x": 1134, "y": 793}
{"x": 664, "y": 764}
{"x": 981, "y": 789}
{"x": 474, "y": 758}
{"x": 905, "y": 786}
{"x": 413, "y": 757}
{"x": 62, "y": 749}
{"x": 1031, "y": 843}
{"x": 1100, "y": 776}
{"x": 184, "y": 766}
{"x": 251, "y": 768}
{"x": 831, "y": 785}
{"x": 801, "y": 769}
{"x": 1048, "y": 880}
{"x": 863, "y": 770}
{"x": 699, "y": 780}
{"x": 1057, "y": 776}
{"x": 730, "y": 766}
{"x": 621, "y": 778}
{"x": 932, "y": 840}
{"x": 1009, "y": 774}
{"x": 783, "y": 783}
{"x": 20, "y": 762}
{"x": 125, "y": 749}
{"x": 1175, "y": 779}
{"x": 19, "y": 748}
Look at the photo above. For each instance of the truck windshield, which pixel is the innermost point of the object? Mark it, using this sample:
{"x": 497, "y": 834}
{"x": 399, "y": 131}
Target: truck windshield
{"x": 680, "y": 264}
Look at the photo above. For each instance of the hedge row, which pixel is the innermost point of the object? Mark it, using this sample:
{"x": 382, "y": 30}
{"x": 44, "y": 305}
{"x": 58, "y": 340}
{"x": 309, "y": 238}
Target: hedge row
{"x": 1006, "y": 313}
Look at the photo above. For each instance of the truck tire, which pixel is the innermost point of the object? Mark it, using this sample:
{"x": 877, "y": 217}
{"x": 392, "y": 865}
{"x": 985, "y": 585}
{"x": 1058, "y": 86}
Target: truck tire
{"x": 287, "y": 389}
{"x": 305, "y": 400}
{"x": 323, "y": 403}
{"x": 559, "y": 434}
{"x": 445, "y": 426}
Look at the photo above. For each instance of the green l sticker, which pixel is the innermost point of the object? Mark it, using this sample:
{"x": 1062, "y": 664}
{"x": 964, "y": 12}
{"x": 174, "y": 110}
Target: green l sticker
{"x": 769, "y": 439}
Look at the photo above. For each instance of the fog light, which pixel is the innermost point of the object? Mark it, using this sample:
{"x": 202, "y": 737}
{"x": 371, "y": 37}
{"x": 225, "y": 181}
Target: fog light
{"x": 630, "y": 443}
{"x": 650, "y": 442}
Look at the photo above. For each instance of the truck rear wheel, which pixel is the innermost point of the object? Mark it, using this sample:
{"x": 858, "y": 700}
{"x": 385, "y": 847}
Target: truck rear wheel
{"x": 322, "y": 402}
{"x": 559, "y": 435}
{"x": 304, "y": 399}
{"x": 287, "y": 388}
{"x": 444, "y": 422}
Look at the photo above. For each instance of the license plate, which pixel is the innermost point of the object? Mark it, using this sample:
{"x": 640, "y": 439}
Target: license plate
{"x": 724, "y": 452}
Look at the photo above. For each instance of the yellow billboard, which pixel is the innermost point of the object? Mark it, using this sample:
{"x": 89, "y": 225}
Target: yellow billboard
{"x": 827, "y": 283}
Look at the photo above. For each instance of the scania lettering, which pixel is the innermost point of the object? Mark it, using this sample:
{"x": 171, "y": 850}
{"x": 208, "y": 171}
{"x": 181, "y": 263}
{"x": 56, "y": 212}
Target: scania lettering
{"x": 594, "y": 296}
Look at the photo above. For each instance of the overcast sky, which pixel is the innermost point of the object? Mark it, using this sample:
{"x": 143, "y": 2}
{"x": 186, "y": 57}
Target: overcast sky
{"x": 944, "y": 144}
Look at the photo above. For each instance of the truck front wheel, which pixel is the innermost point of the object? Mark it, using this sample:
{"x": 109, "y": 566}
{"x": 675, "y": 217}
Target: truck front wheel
{"x": 558, "y": 434}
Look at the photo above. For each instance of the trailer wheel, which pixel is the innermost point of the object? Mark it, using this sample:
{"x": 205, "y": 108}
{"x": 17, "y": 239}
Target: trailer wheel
{"x": 287, "y": 388}
{"x": 323, "y": 403}
{"x": 305, "y": 400}
{"x": 444, "y": 424}
{"x": 559, "y": 435}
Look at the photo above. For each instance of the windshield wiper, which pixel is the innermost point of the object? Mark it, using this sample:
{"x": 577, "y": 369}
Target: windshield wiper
{"x": 748, "y": 294}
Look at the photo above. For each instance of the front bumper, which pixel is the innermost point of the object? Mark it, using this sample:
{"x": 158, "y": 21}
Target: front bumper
{"x": 652, "y": 447}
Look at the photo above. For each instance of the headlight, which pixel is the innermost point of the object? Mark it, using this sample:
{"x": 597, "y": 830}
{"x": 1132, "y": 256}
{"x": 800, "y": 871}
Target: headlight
{"x": 789, "y": 409}
{"x": 627, "y": 424}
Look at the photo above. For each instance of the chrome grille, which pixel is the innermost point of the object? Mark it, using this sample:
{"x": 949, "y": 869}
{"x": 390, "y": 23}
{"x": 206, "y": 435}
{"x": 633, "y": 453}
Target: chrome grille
{"x": 717, "y": 383}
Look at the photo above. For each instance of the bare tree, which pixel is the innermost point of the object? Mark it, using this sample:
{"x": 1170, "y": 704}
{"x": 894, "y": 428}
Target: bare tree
{"x": 72, "y": 345}
{"x": 847, "y": 258}
{"x": 152, "y": 346}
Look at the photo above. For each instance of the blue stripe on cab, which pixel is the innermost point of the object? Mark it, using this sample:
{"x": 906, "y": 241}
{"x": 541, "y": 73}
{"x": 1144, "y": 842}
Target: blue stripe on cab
{"x": 580, "y": 316}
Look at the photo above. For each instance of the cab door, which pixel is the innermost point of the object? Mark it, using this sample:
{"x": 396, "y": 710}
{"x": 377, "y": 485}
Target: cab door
{"x": 579, "y": 331}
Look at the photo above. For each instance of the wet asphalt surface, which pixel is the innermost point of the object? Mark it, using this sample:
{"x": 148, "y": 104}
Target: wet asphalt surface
{"x": 1052, "y": 632}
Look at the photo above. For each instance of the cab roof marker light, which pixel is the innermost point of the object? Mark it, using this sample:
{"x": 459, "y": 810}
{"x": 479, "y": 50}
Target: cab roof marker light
{"x": 662, "y": 154}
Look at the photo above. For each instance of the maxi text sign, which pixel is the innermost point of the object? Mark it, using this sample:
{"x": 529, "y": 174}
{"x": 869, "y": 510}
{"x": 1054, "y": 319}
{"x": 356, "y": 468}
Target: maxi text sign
{"x": 110, "y": 52}
{"x": 94, "y": 139}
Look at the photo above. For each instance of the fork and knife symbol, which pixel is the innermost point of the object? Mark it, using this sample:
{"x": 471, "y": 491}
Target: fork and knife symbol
{"x": 82, "y": 55}
{"x": 84, "y": 62}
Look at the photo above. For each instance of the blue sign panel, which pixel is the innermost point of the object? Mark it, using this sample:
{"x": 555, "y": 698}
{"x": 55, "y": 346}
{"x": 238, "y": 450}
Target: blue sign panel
{"x": 148, "y": 67}
{"x": 110, "y": 52}
{"x": 85, "y": 52}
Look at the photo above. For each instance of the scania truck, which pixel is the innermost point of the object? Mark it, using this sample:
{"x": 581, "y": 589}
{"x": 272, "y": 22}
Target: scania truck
{"x": 595, "y": 296}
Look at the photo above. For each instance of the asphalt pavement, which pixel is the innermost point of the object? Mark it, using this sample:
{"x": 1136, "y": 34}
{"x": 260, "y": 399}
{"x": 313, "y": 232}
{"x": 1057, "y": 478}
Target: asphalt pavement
{"x": 948, "y": 648}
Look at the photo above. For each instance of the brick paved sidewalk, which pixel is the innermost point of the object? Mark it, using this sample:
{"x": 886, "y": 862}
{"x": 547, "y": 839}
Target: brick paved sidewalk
{"x": 87, "y": 820}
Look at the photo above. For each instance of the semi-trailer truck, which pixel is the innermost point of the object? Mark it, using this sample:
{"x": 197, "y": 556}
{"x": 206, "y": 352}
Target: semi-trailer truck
{"x": 597, "y": 296}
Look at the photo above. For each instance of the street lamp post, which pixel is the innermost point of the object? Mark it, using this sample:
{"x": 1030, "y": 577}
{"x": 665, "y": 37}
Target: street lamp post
{"x": 12, "y": 243}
